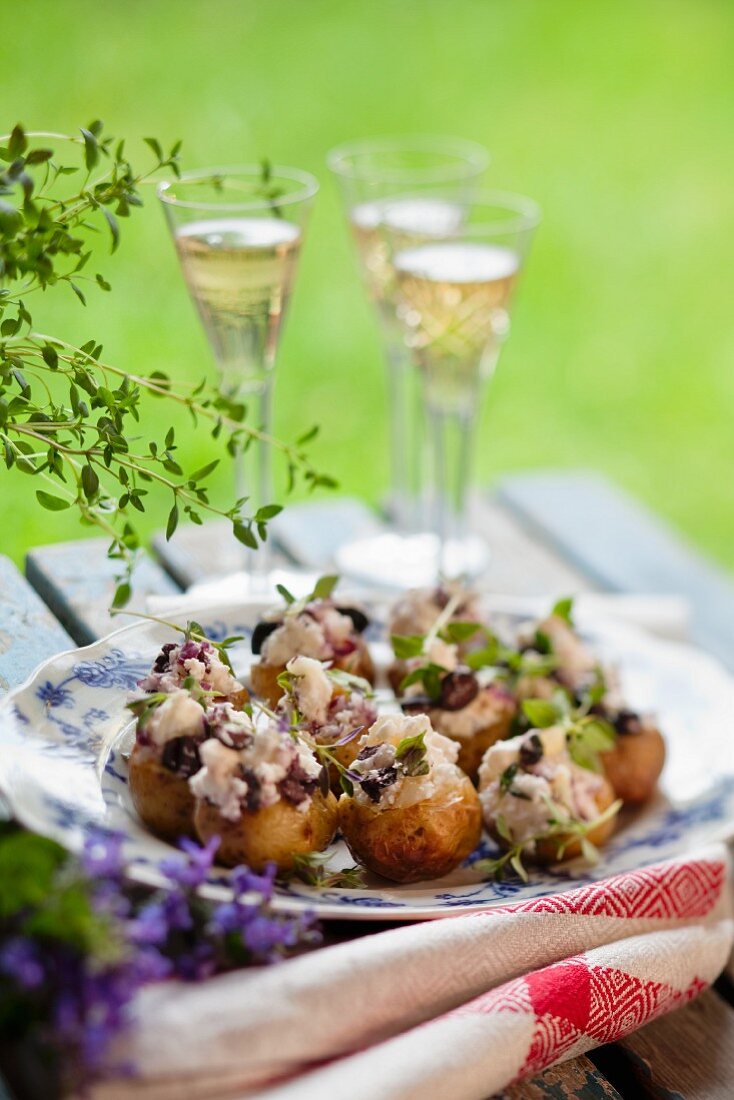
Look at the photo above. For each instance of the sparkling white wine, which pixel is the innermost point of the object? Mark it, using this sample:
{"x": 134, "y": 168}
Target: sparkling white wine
{"x": 410, "y": 220}
{"x": 452, "y": 299}
{"x": 240, "y": 273}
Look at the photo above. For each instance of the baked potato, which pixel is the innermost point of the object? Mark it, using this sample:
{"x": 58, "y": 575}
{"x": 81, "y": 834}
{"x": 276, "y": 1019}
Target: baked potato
{"x": 273, "y": 833}
{"x": 264, "y": 677}
{"x": 634, "y": 765}
{"x": 412, "y": 814}
{"x": 422, "y": 841}
{"x": 530, "y": 783}
{"x": 161, "y": 797}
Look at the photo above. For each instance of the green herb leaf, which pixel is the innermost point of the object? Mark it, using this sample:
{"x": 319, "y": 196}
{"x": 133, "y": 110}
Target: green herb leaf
{"x": 406, "y": 646}
{"x": 540, "y": 713}
{"x": 50, "y": 502}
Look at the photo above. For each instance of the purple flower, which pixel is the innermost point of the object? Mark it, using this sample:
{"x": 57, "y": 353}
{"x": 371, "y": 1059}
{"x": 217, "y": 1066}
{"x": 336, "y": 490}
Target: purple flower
{"x": 244, "y": 881}
{"x": 102, "y": 855}
{"x": 19, "y": 959}
{"x": 194, "y": 870}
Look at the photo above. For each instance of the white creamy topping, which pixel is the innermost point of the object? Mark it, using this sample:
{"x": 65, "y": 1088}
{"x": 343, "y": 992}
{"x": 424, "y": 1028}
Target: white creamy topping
{"x": 553, "y": 788}
{"x": 418, "y": 609}
{"x": 298, "y": 634}
{"x": 486, "y": 708}
{"x": 217, "y": 781}
{"x": 574, "y": 659}
{"x": 312, "y": 688}
{"x": 177, "y": 716}
{"x": 270, "y": 756}
{"x": 211, "y": 672}
{"x": 502, "y": 754}
{"x": 441, "y": 754}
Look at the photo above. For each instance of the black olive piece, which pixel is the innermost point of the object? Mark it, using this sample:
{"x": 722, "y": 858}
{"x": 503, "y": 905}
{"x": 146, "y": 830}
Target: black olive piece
{"x": 416, "y": 704}
{"x": 260, "y": 633}
{"x": 374, "y": 784}
{"x": 627, "y": 722}
{"x": 181, "y": 755}
{"x": 359, "y": 619}
{"x": 458, "y": 689}
{"x": 531, "y": 751}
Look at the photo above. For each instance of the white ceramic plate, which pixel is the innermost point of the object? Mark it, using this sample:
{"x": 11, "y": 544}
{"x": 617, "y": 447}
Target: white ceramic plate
{"x": 63, "y": 734}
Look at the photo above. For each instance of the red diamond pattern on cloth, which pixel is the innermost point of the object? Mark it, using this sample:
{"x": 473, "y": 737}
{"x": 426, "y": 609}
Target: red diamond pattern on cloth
{"x": 666, "y": 891}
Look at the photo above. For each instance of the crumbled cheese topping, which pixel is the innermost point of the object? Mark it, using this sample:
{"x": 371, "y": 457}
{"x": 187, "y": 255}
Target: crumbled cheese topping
{"x": 270, "y": 767}
{"x": 319, "y": 631}
{"x": 177, "y": 716}
{"x": 386, "y": 734}
{"x": 312, "y": 688}
{"x": 552, "y": 787}
{"x": 489, "y": 706}
{"x": 417, "y": 610}
{"x": 200, "y": 660}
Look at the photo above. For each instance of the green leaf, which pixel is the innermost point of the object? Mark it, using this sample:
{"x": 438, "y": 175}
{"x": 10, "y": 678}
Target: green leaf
{"x": 101, "y": 282}
{"x": 563, "y": 609}
{"x": 90, "y": 482}
{"x": 18, "y": 142}
{"x": 172, "y": 521}
{"x": 269, "y": 511}
{"x": 50, "y": 502}
{"x": 458, "y": 632}
{"x": 28, "y": 864}
{"x": 244, "y": 534}
{"x": 50, "y": 356}
{"x": 77, "y": 290}
{"x": 155, "y": 145}
{"x": 503, "y": 828}
{"x": 200, "y": 474}
{"x": 114, "y": 227}
{"x": 307, "y": 436}
{"x": 287, "y": 596}
{"x": 540, "y": 713}
{"x": 517, "y": 866}
{"x": 324, "y": 587}
{"x": 123, "y": 593}
{"x": 406, "y": 646}
{"x": 91, "y": 149}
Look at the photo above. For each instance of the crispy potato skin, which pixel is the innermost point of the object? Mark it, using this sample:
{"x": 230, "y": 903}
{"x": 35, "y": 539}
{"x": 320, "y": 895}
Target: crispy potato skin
{"x": 264, "y": 678}
{"x": 422, "y": 841}
{"x": 546, "y": 851}
{"x": 162, "y": 798}
{"x": 274, "y": 833}
{"x": 471, "y": 750}
{"x": 634, "y": 765}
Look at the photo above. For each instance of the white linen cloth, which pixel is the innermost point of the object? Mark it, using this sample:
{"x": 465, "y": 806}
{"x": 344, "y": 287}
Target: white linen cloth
{"x": 458, "y": 1007}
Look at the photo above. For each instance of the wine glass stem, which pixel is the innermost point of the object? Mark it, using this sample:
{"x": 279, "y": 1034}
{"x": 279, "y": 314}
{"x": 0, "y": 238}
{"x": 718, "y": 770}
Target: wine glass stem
{"x": 253, "y": 475}
{"x": 449, "y": 441}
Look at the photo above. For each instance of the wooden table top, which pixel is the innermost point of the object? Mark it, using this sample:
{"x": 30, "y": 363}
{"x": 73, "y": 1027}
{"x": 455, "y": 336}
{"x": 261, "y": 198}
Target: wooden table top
{"x": 550, "y": 534}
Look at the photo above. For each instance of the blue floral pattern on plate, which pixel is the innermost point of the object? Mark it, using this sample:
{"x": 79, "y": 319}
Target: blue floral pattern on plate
{"x": 69, "y": 731}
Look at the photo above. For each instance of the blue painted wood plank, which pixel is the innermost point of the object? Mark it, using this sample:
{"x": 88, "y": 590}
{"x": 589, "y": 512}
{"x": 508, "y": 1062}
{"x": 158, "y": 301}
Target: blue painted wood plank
{"x": 77, "y": 581}
{"x": 623, "y": 547}
{"x": 29, "y": 633}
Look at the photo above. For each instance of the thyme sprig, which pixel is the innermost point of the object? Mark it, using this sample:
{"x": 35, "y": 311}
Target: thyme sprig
{"x": 69, "y": 418}
{"x": 312, "y": 869}
{"x": 565, "y": 832}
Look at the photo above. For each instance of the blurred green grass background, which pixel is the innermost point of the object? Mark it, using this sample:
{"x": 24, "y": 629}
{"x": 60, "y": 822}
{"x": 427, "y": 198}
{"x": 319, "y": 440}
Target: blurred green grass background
{"x": 616, "y": 117}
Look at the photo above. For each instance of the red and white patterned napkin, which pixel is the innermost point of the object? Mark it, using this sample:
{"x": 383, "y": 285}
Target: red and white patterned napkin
{"x": 459, "y": 1007}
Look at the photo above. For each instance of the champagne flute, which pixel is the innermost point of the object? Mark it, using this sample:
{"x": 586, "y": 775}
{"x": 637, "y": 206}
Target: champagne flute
{"x": 452, "y": 300}
{"x": 418, "y": 186}
{"x": 238, "y": 235}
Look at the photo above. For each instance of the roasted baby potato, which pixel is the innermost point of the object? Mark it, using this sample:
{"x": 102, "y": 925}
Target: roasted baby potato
{"x": 423, "y": 841}
{"x": 274, "y": 833}
{"x": 161, "y": 797}
{"x": 264, "y": 678}
{"x": 560, "y": 848}
{"x": 634, "y": 765}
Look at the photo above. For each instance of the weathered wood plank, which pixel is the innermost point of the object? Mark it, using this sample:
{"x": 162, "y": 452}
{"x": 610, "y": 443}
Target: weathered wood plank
{"x": 688, "y": 1055}
{"x": 576, "y": 1080}
{"x": 310, "y": 533}
{"x": 77, "y": 581}
{"x": 621, "y": 546}
{"x": 28, "y": 631}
